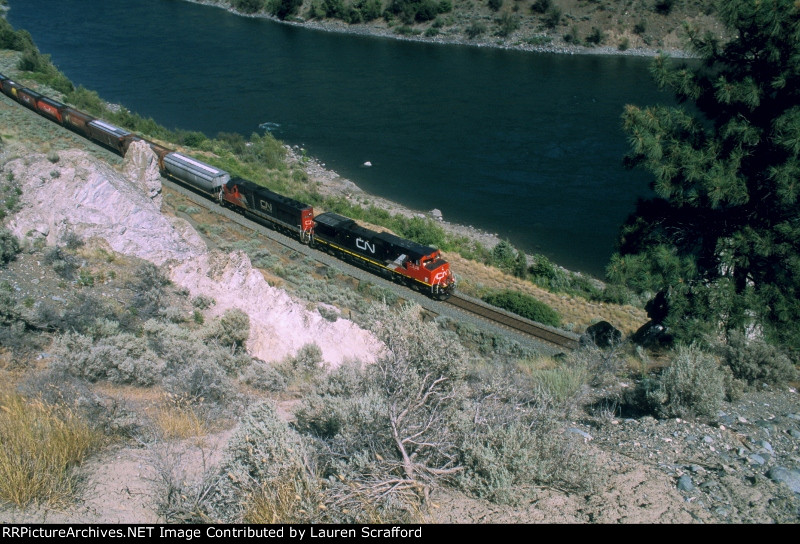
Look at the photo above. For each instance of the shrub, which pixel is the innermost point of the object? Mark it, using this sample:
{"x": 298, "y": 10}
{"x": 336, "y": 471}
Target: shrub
{"x": 16, "y": 40}
{"x": 495, "y": 5}
{"x": 692, "y": 385}
{"x": 9, "y": 246}
{"x": 755, "y": 361}
{"x": 392, "y": 424}
{"x": 121, "y": 359}
{"x": 263, "y": 475}
{"x": 525, "y": 306}
{"x": 664, "y": 7}
{"x": 573, "y": 36}
{"x": 264, "y": 376}
{"x": 512, "y": 440}
{"x": 502, "y": 462}
{"x": 82, "y": 313}
{"x": 191, "y": 369}
{"x": 507, "y": 24}
{"x": 596, "y": 36}
{"x": 284, "y": 8}
{"x": 504, "y": 256}
{"x": 552, "y": 17}
{"x": 64, "y": 264}
{"x": 475, "y": 29}
{"x": 249, "y": 6}
{"x": 541, "y": 6}
{"x": 231, "y": 330}
{"x": 200, "y": 382}
{"x": 148, "y": 289}
{"x": 304, "y": 369}
{"x": 40, "y": 445}
{"x": 369, "y": 9}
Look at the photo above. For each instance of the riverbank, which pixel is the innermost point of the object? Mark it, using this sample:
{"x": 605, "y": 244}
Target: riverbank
{"x": 572, "y": 36}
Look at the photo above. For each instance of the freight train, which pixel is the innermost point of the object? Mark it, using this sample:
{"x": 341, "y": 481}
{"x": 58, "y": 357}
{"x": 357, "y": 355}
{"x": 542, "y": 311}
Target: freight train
{"x": 413, "y": 264}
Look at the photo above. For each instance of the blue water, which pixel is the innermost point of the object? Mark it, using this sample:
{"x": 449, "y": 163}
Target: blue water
{"x": 525, "y": 145}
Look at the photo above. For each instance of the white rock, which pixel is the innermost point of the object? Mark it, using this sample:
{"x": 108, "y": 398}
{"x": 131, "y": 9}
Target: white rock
{"x": 92, "y": 199}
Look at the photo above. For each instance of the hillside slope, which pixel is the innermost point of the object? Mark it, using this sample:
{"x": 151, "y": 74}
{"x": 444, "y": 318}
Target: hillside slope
{"x": 582, "y": 26}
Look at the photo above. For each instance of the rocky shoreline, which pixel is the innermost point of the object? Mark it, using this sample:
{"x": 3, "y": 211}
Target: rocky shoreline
{"x": 381, "y": 30}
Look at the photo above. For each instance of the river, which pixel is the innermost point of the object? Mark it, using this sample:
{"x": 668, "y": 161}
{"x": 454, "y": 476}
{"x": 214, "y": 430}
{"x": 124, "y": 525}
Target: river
{"x": 526, "y": 145}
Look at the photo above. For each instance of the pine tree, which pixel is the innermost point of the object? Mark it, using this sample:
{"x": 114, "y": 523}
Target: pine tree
{"x": 722, "y": 237}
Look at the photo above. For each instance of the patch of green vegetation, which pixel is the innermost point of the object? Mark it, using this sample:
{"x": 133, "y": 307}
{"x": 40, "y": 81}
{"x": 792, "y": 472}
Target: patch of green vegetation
{"x": 525, "y": 306}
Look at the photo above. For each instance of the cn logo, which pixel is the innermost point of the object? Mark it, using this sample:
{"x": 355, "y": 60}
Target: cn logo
{"x": 364, "y": 245}
{"x": 439, "y": 276}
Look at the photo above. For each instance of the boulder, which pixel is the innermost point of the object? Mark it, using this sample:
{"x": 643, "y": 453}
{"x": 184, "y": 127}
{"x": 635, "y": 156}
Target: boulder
{"x": 602, "y": 334}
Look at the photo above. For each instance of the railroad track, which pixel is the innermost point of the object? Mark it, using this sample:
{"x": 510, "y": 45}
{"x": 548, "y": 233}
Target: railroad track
{"x": 552, "y": 335}
{"x": 502, "y": 319}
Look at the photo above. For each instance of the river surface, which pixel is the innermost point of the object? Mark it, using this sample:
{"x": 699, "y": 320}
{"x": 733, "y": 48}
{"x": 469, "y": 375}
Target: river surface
{"x": 526, "y": 145}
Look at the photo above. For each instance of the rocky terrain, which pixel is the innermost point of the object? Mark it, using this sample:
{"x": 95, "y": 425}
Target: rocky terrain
{"x": 71, "y": 193}
{"x": 741, "y": 466}
{"x": 629, "y": 27}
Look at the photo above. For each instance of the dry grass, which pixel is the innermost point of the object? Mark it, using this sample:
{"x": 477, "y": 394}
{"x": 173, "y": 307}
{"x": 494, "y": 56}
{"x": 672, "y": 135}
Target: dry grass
{"x": 179, "y": 423}
{"x": 575, "y": 311}
{"x": 40, "y": 445}
{"x": 278, "y": 502}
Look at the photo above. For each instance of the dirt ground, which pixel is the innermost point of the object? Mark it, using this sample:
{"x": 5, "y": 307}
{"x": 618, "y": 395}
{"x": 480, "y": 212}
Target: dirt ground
{"x": 641, "y": 463}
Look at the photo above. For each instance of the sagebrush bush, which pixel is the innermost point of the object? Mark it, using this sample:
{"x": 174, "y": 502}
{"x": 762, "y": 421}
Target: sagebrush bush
{"x": 263, "y": 475}
{"x": 148, "y": 286}
{"x": 692, "y": 385}
{"x": 512, "y": 438}
{"x": 9, "y": 246}
{"x": 231, "y": 329}
{"x": 303, "y": 370}
{"x": 264, "y": 376}
{"x": 756, "y": 362}
{"x": 192, "y": 368}
{"x": 121, "y": 359}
